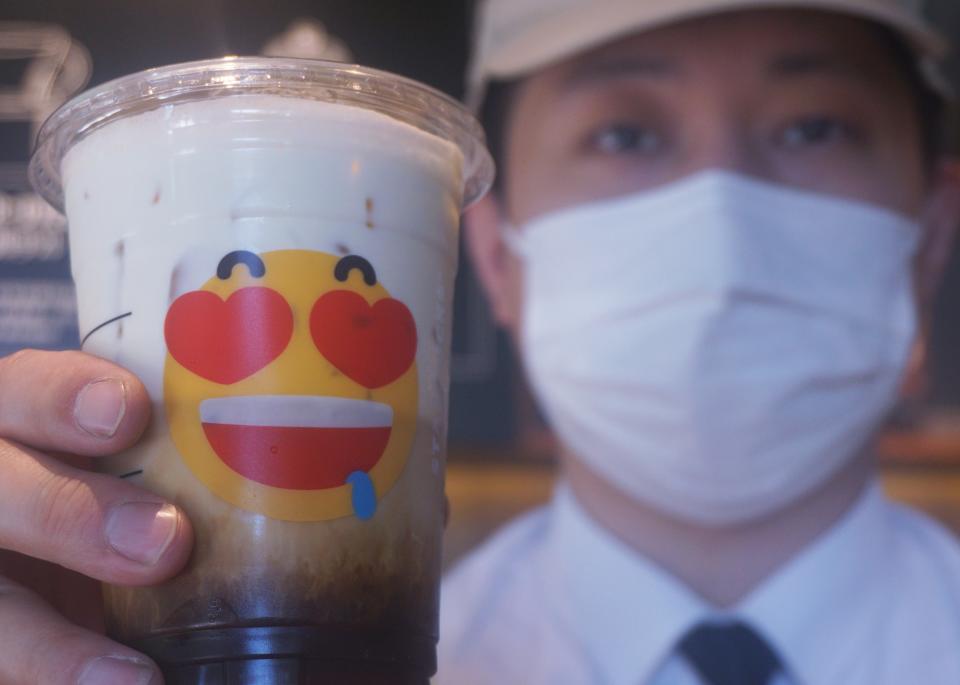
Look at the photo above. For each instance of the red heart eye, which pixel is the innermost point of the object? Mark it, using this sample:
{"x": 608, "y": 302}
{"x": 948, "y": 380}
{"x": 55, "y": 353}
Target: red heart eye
{"x": 372, "y": 345}
{"x": 227, "y": 340}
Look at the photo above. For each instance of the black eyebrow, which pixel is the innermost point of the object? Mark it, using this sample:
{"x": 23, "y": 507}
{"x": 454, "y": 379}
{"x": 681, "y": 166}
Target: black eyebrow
{"x": 612, "y": 69}
{"x": 101, "y": 325}
{"x": 343, "y": 268}
{"x": 815, "y": 64}
{"x": 254, "y": 264}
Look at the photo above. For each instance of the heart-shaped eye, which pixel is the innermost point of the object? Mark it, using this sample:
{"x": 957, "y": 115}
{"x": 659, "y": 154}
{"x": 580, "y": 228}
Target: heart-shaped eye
{"x": 371, "y": 344}
{"x": 225, "y": 341}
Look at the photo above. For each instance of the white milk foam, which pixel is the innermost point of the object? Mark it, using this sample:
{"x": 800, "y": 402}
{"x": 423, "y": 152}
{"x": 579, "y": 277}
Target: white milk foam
{"x": 155, "y": 200}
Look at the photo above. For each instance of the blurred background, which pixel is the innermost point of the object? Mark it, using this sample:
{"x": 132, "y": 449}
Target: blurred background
{"x": 500, "y": 452}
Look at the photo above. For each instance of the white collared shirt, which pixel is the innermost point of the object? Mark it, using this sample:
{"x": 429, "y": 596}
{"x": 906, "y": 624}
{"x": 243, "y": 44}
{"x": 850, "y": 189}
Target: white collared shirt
{"x": 555, "y": 599}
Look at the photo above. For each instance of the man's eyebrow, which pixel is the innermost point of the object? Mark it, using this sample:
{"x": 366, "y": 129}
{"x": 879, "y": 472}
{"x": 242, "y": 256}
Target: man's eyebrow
{"x": 816, "y": 64}
{"x": 612, "y": 69}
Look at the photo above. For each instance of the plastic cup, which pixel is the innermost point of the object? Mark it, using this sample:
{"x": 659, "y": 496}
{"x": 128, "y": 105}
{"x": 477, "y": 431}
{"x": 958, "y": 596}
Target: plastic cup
{"x": 270, "y": 245}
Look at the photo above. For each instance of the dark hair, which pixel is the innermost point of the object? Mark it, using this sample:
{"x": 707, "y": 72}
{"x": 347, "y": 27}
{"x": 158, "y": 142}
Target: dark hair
{"x": 494, "y": 115}
{"x": 930, "y": 107}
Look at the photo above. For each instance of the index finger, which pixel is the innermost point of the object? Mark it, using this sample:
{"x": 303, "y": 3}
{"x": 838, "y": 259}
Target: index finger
{"x": 70, "y": 402}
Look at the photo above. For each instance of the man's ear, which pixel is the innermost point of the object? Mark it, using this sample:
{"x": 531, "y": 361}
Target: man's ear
{"x": 941, "y": 219}
{"x": 493, "y": 263}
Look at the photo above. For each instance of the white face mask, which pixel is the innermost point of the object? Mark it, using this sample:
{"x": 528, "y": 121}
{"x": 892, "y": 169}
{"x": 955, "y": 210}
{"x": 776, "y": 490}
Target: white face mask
{"x": 719, "y": 347}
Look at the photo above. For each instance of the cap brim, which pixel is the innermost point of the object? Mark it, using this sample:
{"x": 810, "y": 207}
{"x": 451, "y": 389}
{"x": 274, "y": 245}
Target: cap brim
{"x": 585, "y": 26}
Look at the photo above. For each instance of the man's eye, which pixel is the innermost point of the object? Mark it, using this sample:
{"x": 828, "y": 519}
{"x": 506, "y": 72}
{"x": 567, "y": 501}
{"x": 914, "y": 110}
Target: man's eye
{"x": 817, "y": 131}
{"x": 620, "y": 139}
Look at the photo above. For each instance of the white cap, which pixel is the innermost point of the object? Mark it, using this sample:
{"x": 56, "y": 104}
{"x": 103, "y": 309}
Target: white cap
{"x": 516, "y": 37}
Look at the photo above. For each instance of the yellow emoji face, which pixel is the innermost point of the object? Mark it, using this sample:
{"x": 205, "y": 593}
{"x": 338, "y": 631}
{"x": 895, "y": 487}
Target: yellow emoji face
{"x": 290, "y": 384}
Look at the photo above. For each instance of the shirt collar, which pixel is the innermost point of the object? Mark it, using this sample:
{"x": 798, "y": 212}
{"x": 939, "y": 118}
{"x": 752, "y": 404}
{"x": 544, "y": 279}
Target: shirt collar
{"x": 814, "y": 608}
{"x": 629, "y": 614}
{"x": 626, "y": 612}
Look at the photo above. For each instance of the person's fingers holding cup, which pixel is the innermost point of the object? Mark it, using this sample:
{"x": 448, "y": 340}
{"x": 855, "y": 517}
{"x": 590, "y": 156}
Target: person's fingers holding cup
{"x": 70, "y": 402}
{"x": 39, "y": 646}
{"x": 95, "y": 524}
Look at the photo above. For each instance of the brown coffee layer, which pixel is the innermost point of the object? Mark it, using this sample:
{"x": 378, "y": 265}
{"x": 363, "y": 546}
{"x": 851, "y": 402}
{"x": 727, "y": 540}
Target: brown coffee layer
{"x": 379, "y": 575}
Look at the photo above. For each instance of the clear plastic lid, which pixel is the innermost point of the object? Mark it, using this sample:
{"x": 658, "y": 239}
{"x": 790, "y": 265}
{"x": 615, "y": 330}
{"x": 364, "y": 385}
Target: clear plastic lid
{"x": 401, "y": 98}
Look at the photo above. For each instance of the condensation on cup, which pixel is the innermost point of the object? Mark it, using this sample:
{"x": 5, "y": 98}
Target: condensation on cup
{"x": 270, "y": 245}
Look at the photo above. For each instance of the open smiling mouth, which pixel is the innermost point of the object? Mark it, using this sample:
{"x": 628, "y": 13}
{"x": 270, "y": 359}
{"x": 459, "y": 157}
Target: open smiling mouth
{"x": 297, "y": 442}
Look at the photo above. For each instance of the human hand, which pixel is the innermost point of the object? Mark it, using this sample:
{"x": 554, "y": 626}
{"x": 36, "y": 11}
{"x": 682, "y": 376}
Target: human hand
{"x": 58, "y": 412}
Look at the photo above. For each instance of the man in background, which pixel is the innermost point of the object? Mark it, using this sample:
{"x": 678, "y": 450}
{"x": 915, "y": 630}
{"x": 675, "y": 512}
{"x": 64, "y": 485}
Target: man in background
{"x": 716, "y": 224}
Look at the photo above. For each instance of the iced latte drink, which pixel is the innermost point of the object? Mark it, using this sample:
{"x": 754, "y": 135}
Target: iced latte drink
{"x": 271, "y": 246}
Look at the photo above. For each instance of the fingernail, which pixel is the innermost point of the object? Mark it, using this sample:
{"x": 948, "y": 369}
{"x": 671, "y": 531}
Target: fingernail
{"x": 100, "y": 407}
{"x": 116, "y": 670}
{"x": 142, "y": 531}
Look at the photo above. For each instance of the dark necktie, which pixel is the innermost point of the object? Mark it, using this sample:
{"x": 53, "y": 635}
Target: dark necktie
{"x": 729, "y": 654}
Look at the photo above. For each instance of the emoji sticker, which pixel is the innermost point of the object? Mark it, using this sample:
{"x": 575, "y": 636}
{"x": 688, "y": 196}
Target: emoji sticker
{"x": 290, "y": 384}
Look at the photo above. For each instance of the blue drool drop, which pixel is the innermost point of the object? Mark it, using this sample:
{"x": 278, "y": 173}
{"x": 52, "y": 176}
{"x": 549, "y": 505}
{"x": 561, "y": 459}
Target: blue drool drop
{"x": 363, "y": 496}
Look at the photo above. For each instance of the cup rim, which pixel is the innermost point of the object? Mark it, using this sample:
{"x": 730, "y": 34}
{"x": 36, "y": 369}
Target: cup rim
{"x": 402, "y": 98}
